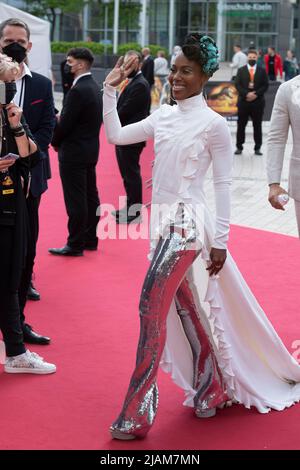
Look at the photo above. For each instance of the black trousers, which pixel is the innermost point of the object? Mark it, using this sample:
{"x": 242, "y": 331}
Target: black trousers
{"x": 82, "y": 203}
{"x": 255, "y": 111}
{"x": 9, "y": 303}
{"x": 128, "y": 157}
{"x": 33, "y": 204}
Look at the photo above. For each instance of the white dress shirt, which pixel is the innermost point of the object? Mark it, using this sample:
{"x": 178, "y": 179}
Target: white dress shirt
{"x": 238, "y": 60}
{"x": 20, "y": 84}
{"x": 79, "y": 77}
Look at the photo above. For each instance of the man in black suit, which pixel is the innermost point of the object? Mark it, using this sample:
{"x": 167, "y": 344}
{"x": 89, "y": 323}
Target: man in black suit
{"x": 34, "y": 95}
{"x": 148, "y": 66}
{"x": 133, "y": 106}
{"x": 76, "y": 137}
{"x": 252, "y": 83}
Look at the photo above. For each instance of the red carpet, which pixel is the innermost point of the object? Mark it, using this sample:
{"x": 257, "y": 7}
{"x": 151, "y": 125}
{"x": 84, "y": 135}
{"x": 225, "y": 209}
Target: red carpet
{"x": 89, "y": 307}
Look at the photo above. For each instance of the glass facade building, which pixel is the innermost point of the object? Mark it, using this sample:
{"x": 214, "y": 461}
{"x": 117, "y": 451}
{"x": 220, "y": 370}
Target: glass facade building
{"x": 229, "y": 22}
{"x": 264, "y": 23}
{"x": 166, "y": 22}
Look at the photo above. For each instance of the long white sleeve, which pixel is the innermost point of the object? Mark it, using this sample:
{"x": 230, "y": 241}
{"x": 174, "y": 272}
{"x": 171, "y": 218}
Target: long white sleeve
{"x": 278, "y": 134}
{"x": 131, "y": 134}
{"x": 222, "y": 161}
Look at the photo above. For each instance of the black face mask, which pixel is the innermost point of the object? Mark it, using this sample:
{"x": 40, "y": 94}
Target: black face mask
{"x": 251, "y": 62}
{"x": 68, "y": 70}
{"x": 7, "y": 92}
{"x": 132, "y": 74}
{"x": 15, "y": 51}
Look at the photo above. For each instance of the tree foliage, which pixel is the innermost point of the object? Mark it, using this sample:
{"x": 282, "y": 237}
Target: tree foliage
{"x": 50, "y": 9}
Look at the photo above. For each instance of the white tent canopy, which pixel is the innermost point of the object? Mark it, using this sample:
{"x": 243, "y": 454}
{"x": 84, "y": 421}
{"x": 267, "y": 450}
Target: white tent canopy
{"x": 40, "y": 55}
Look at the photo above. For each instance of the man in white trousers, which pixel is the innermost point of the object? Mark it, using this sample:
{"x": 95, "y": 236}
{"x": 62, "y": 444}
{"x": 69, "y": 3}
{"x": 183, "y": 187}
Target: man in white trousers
{"x": 286, "y": 113}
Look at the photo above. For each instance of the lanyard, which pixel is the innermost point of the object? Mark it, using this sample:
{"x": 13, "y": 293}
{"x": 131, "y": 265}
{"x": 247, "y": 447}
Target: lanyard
{"x": 3, "y": 137}
{"x": 22, "y": 92}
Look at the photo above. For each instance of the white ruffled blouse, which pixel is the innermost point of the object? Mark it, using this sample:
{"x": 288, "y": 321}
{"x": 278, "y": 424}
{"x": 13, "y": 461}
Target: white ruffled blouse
{"x": 187, "y": 139}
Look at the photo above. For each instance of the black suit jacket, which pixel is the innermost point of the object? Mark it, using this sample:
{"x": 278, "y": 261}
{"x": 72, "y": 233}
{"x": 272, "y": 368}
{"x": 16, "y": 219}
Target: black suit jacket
{"x": 261, "y": 83}
{"x": 134, "y": 102}
{"x": 39, "y": 112}
{"x": 77, "y": 132}
{"x": 148, "y": 70}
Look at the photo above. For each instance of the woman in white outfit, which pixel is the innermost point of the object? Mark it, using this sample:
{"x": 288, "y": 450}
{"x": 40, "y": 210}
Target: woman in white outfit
{"x": 199, "y": 319}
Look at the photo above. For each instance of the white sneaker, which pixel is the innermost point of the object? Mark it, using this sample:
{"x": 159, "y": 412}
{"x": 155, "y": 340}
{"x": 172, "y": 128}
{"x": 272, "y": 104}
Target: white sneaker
{"x": 28, "y": 363}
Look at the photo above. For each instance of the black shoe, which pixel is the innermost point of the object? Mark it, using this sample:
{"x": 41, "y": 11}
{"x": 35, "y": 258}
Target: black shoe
{"x": 32, "y": 293}
{"x": 65, "y": 251}
{"x": 90, "y": 247}
{"x": 238, "y": 152}
{"x": 128, "y": 219}
{"x": 257, "y": 152}
{"x": 30, "y": 336}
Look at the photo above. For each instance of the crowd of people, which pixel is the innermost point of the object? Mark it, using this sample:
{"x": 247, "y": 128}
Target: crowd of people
{"x": 252, "y": 71}
{"x": 276, "y": 68}
{"x": 242, "y": 360}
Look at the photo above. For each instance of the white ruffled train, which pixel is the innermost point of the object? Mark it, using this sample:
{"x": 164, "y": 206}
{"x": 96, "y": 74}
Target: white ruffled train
{"x": 256, "y": 366}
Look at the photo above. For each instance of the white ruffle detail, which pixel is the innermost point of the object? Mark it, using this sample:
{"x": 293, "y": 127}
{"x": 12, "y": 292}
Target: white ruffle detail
{"x": 223, "y": 348}
{"x": 235, "y": 390}
{"x": 191, "y": 163}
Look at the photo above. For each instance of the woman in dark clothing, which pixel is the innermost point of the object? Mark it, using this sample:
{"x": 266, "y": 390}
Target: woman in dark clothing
{"x": 17, "y": 153}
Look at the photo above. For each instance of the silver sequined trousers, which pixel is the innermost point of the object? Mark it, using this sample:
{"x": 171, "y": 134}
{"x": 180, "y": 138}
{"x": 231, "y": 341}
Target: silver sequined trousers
{"x": 168, "y": 278}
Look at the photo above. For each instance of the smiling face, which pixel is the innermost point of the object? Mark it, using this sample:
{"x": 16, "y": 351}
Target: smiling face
{"x": 186, "y": 78}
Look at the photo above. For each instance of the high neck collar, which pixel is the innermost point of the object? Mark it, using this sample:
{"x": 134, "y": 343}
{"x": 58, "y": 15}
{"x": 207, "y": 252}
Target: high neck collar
{"x": 189, "y": 104}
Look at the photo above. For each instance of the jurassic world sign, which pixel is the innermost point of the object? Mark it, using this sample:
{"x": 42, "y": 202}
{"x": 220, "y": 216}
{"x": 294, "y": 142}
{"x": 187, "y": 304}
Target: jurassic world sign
{"x": 222, "y": 97}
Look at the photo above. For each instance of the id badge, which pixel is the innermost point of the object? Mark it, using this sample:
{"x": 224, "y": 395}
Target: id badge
{"x": 7, "y": 186}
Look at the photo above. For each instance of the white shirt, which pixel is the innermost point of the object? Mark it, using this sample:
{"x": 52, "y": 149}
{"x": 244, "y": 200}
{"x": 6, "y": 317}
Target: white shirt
{"x": 138, "y": 73}
{"x": 20, "y": 84}
{"x": 80, "y": 76}
{"x": 238, "y": 60}
{"x": 161, "y": 66}
{"x": 252, "y": 67}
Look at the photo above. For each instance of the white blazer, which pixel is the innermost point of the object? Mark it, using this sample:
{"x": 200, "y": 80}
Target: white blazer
{"x": 286, "y": 113}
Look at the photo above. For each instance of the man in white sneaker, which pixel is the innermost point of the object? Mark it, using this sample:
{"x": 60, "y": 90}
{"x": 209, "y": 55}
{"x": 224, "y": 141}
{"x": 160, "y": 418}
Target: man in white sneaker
{"x": 15, "y": 141}
{"x": 28, "y": 363}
